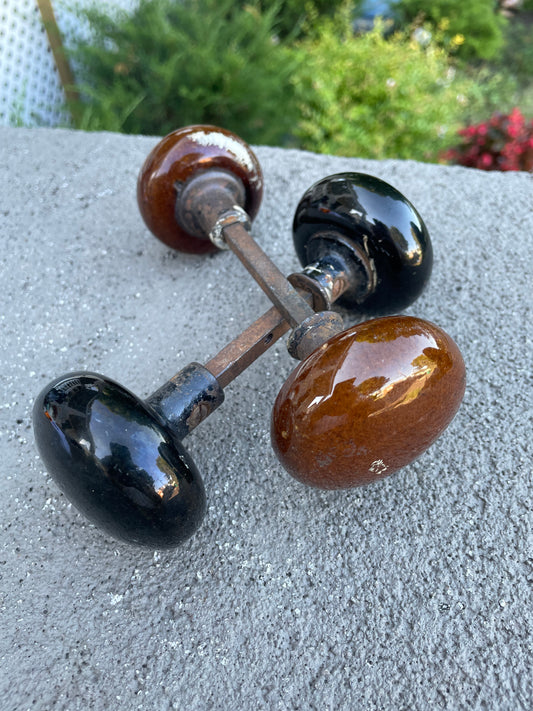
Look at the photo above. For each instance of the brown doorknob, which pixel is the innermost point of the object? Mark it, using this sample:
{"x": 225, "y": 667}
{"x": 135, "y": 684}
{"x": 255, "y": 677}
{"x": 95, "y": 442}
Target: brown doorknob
{"x": 181, "y": 155}
{"x": 367, "y": 402}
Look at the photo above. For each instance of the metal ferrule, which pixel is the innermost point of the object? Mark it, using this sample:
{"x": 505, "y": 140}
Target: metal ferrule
{"x": 326, "y": 279}
{"x": 187, "y": 399}
{"x": 229, "y": 217}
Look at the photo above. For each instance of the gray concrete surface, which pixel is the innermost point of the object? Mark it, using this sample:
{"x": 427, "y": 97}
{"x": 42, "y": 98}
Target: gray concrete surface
{"x": 414, "y": 593}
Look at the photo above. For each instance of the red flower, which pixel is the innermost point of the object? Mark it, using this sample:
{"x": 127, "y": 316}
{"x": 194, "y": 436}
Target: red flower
{"x": 504, "y": 142}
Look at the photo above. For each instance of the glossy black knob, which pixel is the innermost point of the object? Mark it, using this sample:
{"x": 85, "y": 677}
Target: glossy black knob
{"x": 117, "y": 461}
{"x": 367, "y": 229}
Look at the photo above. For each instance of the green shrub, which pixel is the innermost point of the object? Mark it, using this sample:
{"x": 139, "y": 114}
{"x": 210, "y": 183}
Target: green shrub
{"x": 374, "y": 97}
{"x": 475, "y": 26}
{"x": 294, "y": 16}
{"x": 170, "y": 64}
{"x": 517, "y": 57}
{"x": 490, "y": 90}
{"x": 506, "y": 82}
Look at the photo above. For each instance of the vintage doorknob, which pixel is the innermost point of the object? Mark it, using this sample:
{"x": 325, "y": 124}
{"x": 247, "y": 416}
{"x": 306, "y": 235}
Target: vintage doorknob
{"x": 362, "y": 403}
{"x": 367, "y": 402}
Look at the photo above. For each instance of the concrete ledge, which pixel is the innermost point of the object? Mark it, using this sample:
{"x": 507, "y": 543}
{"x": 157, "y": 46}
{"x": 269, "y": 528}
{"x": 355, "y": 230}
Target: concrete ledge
{"x": 409, "y": 594}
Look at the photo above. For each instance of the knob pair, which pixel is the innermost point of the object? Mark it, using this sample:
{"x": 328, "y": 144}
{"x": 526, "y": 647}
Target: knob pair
{"x": 362, "y": 403}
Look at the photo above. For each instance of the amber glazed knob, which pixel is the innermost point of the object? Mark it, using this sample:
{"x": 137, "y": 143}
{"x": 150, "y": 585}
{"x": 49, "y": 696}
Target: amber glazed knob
{"x": 175, "y": 159}
{"x": 367, "y": 402}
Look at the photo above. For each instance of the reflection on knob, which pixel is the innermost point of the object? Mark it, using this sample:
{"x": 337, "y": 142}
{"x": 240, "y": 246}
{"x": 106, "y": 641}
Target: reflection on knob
{"x": 367, "y": 402}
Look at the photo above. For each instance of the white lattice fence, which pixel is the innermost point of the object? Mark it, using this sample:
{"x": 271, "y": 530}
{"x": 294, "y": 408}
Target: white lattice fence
{"x": 30, "y": 88}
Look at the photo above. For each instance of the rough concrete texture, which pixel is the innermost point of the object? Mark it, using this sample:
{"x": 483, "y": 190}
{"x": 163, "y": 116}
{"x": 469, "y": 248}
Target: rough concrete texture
{"x": 414, "y": 593}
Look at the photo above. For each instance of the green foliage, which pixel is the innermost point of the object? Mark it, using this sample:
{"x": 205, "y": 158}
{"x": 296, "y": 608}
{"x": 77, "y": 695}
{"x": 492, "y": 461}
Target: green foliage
{"x": 173, "y": 63}
{"x": 506, "y": 82}
{"x": 517, "y": 56}
{"x": 376, "y": 97}
{"x": 296, "y": 17}
{"x": 490, "y": 90}
{"x": 475, "y": 27}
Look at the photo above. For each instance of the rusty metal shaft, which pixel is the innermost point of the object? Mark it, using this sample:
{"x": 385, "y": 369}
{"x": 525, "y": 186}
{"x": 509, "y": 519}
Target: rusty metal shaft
{"x": 210, "y": 205}
{"x": 240, "y": 353}
{"x": 289, "y": 302}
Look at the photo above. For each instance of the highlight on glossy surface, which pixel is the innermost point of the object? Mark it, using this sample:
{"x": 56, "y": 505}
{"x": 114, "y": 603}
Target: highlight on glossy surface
{"x": 117, "y": 462}
{"x": 367, "y": 402}
{"x": 356, "y": 213}
{"x": 175, "y": 159}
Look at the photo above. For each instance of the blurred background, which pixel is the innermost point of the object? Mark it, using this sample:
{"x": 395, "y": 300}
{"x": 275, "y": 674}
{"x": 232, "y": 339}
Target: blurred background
{"x": 440, "y": 80}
